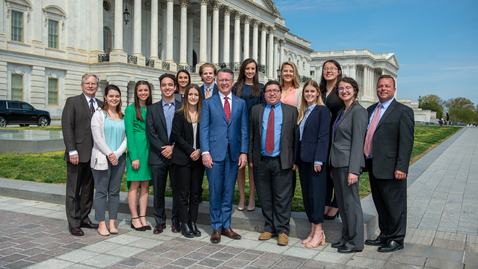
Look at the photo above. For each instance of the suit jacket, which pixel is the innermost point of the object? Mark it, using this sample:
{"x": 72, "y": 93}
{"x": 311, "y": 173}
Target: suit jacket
{"x": 157, "y": 131}
{"x": 215, "y": 90}
{"x": 216, "y": 132}
{"x": 392, "y": 140}
{"x": 183, "y": 137}
{"x": 315, "y": 137}
{"x": 348, "y": 140}
{"x": 76, "y": 127}
{"x": 287, "y": 139}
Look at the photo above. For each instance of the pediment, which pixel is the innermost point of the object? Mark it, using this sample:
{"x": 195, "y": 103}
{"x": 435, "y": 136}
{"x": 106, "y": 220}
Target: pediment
{"x": 55, "y": 10}
{"x": 267, "y": 5}
{"x": 24, "y": 3}
{"x": 392, "y": 59}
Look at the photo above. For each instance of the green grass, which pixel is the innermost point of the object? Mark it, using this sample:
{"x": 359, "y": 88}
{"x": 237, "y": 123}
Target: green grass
{"x": 50, "y": 167}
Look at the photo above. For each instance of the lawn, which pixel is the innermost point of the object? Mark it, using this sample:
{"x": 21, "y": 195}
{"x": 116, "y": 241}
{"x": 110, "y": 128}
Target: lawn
{"x": 50, "y": 167}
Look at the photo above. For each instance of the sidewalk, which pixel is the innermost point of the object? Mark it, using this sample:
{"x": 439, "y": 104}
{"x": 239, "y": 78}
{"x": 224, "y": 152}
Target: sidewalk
{"x": 442, "y": 230}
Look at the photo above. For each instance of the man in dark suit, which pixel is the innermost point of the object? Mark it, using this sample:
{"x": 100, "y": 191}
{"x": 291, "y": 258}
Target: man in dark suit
{"x": 224, "y": 139}
{"x": 271, "y": 151}
{"x": 388, "y": 146}
{"x": 208, "y": 73}
{"x": 159, "y": 120}
{"x": 75, "y": 122}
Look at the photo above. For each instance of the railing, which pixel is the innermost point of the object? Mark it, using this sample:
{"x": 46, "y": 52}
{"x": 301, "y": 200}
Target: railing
{"x": 150, "y": 63}
{"x": 165, "y": 66}
{"x": 303, "y": 79}
{"x": 262, "y": 68}
{"x": 132, "y": 59}
{"x": 189, "y": 68}
{"x": 103, "y": 57}
{"x": 236, "y": 67}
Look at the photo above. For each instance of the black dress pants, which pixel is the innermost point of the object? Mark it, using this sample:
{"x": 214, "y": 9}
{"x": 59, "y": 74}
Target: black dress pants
{"x": 189, "y": 180}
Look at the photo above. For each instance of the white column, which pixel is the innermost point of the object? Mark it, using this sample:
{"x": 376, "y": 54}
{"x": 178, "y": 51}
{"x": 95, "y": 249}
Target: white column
{"x": 263, "y": 45}
{"x": 209, "y": 35}
{"x": 118, "y": 55}
{"x": 255, "y": 37}
{"x": 247, "y": 20}
{"x": 137, "y": 33}
{"x": 96, "y": 31}
{"x": 227, "y": 34}
{"x": 281, "y": 55}
{"x": 276, "y": 56}
{"x": 215, "y": 33}
{"x": 203, "y": 34}
{"x": 270, "y": 68}
{"x": 365, "y": 79}
{"x": 164, "y": 16}
{"x": 169, "y": 34}
{"x": 190, "y": 53}
{"x": 237, "y": 37}
{"x": 184, "y": 34}
{"x": 154, "y": 32}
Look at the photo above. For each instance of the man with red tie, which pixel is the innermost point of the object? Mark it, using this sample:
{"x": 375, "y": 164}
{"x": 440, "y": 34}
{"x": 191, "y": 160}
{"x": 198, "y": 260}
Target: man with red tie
{"x": 271, "y": 152}
{"x": 224, "y": 138}
{"x": 208, "y": 73}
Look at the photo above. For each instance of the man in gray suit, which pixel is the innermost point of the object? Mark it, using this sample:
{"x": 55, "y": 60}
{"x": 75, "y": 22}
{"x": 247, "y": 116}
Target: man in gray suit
{"x": 271, "y": 151}
{"x": 388, "y": 146}
{"x": 75, "y": 122}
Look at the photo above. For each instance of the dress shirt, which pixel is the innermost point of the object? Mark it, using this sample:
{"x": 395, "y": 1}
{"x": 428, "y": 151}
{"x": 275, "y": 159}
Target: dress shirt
{"x": 168, "y": 110}
{"x": 382, "y": 111}
{"x": 211, "y": 90}
{"x": 95, "y": 105}
{"x": 302, "y": 124}
{"x": 277, "y": 129}
{"x": 229, "y": 99}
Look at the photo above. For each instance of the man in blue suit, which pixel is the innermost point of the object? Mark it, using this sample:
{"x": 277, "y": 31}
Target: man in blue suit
{"x": 224, "y": 145}
{"x": 208, "y": 73}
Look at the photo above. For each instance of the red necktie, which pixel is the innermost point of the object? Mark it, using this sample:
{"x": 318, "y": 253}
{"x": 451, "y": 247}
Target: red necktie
{"x": 270, "y": 132}
{"x": 367, "y": 147}
{"x": 227, "y": 109}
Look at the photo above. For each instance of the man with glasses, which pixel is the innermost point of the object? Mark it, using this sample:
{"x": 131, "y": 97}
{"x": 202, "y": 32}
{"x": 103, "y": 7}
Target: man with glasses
{"x": 224, "y": 142}
{"x": 271, "y": 151}
{"x": 75, "y": 122}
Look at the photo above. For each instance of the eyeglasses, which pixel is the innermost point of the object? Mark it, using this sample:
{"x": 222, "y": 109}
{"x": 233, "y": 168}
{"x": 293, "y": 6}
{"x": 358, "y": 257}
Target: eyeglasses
{"x": 348, "y": 88}
{"x": 223, "y": 80}
{"x": 272, "y": 91}
{"x": 90, "y": 84}
{"x": 330, "y": 69}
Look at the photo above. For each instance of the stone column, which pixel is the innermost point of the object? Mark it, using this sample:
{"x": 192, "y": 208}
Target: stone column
{"x": 215, "y": 33}
{"x": 190, "y": 53}
{"x": 137, "y": 33}
{"x": 270, "y": 68}
{"x": 169, "y": 35}
{"x": 237, "y": 37}
{"x": 281, "y": 60}
{"x": 318, "y": 72}
{"x": 276, "y": 56}
{"x": 154, "y": 33}
{"x": 227, "y": 34}
{"x": 263, "y": 45}
{"x": 118, "y": 55}
{"x": 366, "y": 80}
{"x": 209, "y": 35}
{"x": 247, "y": 20}
{"x": 255, "y": 39}
{"x": 184, "y": 34}
{"x": 96, "y": 32}
{"x": 203, "y": 35}
{"x": 164, "y": 16}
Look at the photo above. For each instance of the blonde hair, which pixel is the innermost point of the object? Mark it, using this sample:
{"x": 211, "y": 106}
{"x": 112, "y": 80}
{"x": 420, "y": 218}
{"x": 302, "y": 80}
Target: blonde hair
{"x": 303, "y": 104}
{"x": 295, "y": 78}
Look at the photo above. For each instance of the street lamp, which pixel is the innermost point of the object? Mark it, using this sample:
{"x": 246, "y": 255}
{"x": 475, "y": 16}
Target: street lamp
{"x": 278, "y": 74}
{"x": 419, "y": 100}
{"x": 126, "y": 15}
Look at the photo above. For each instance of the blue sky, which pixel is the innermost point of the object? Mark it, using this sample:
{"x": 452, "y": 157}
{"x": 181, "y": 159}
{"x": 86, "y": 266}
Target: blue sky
{"x": 435, "y": 42}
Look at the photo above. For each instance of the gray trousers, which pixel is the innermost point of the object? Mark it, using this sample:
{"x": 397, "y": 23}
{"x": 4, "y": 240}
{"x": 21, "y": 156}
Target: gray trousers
{"x": 108, "y": 183}
{"x": 350, "y": 208}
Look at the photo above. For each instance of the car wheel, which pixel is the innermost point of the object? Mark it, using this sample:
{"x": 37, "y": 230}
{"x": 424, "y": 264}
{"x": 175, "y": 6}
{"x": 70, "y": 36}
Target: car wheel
{"x": 42, "y": 121}
{"x": 3, "y": 122}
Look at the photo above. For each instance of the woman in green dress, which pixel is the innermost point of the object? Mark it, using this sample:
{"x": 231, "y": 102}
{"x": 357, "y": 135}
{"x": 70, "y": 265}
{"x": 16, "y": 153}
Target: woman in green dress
{"x": 138, "y": 170}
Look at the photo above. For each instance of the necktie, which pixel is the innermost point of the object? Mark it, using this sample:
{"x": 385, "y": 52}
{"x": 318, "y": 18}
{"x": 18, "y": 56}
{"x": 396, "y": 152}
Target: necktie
{"x": 92, "y": 108}
{"x": 367, "y": 148}
{"x": 207, "y": 93}
{"x": 227, "y": 109}
{"x": 270, "y": 132}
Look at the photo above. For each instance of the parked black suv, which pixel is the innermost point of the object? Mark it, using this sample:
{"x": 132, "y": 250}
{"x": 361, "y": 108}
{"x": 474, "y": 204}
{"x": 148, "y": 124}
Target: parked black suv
{"x": 24, "y": 114}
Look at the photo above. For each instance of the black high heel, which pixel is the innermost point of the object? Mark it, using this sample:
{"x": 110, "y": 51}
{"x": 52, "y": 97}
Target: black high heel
{"x": 327, "y": 217}
{"x": 141, "y": 229}
{"x": 147, "y": 227}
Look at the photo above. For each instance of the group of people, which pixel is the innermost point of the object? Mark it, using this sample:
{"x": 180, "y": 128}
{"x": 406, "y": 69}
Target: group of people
{"x": 224, "y": 126}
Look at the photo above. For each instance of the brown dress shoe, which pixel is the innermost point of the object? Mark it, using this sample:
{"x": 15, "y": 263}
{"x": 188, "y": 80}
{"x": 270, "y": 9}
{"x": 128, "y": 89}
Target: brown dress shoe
{"x": 159, "y": 228}
{"x": 267, "y": 236}
{"x": 89, "y": 225}
{"x": 76, "y": 231}
{"x": 216, "y": 236}
{"x": 230, "y": 233}
{"x": 175, "y": 227}
{"x": 283, "y": 239}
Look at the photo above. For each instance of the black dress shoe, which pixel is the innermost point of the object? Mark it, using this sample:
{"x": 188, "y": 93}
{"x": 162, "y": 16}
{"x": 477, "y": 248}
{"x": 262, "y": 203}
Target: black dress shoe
{"x": 327, "y": 217}
{"x": 195, "y": 229}
{"x": 390, "y": 246}
{"x": 337, "y": 245}
{"x": 186, "y": 230}
{"x": 89, "y": 225}
{"x": 159, "y": 228}
{"x": 147, "y": 227}
{"x": 76, "y": 231}
{"x": 345, "y": 249}
{"x": 141, "y": 229}
{"x": 374, "y": 242}
{"x": 175, "y": 227}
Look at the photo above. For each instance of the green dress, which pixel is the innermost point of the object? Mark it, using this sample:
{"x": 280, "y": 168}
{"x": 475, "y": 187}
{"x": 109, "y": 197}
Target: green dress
{"x": 138, "y": 146}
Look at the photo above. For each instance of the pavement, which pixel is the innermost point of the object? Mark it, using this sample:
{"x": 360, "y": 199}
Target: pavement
{"x": 442, "y": 229}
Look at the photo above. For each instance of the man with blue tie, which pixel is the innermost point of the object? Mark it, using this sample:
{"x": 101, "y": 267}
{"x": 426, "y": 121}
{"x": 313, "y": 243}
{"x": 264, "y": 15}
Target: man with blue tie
{"x": 208, "y": 73}
{"x": 271, "y": 152}
{"x": 224, "y": 145}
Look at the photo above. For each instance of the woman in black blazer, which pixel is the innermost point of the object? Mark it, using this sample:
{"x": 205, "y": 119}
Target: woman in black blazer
{"x": 311, "y": 145}
{"x": 187, "y": 159}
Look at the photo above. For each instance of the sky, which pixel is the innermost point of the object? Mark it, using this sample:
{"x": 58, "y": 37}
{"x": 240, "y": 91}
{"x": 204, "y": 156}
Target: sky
{"x": 435, "y": 41}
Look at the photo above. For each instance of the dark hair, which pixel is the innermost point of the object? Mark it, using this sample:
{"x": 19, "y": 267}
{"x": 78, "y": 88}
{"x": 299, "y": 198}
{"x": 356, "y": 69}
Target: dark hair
{"x": 241, "y": 79}
{"x": 272, "y": 82}
{"x": 226, "y": 70}
{"x": 352, "y": 82}
{"x": 167, "y": 75}
{"x": 386, "y": 76}
{"x": 149, "y": 100}
{"x": 177, "y": 78}
{"x": 201, "y": 69}
{"x": 323, "y": 82}
{"x": 104, "y": 106}
{"x": 185, "y": 106}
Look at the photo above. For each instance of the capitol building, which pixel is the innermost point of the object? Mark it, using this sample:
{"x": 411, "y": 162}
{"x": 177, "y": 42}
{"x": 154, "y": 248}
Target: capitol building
{"x": 47, "y": 45}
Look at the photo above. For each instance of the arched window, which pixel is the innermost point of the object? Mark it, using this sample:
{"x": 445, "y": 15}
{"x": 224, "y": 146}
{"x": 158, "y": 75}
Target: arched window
{"x": 106, "y": 40}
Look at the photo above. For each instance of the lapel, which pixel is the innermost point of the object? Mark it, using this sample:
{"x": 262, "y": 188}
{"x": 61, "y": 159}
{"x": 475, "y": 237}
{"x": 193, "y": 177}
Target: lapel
{"x": 387, "y": 113}
{"x": 316, "y": 108}
{"x": 162, "y": 118}
{"x": 348, "y": 112}
{"x": 85, "y": 105}
{"x": 285, "y": 119}
{"x": 235, "y": 107}
{"x": 261, "y": 116}
{"x": 218, "y": 103}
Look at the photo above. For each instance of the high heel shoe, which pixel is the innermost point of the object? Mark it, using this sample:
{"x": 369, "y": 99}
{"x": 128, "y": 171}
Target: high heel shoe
{"x": 327, "y": 217}
{"x": 321, "y": 242}
{"x": 141, "y": 229}
{"x": 147, "y": 227}
{"x": 252, "y": 208}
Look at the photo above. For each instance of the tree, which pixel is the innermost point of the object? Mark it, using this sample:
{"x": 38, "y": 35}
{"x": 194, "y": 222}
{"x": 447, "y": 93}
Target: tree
{"x": 464, "y": 115}
{"x": 459, "y": 102}
{"x": 433, "y": 103}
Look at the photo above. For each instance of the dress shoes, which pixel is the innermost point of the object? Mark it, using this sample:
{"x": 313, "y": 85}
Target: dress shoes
{"x": 230, "y": 233}
{"x": 283, "y": 239}
{"x": 76, "y": 231}
{"x": 89, "y": 225}
{"x": 216, "y": 236}
{"x": 175, "y": 227}
{"x": 159, "y": 228}
{"x": 345, "y": 249}
{"x": 374, "y": 242}
{"x": 337, "y": 245}
{"x": 195, "y": 229}
{"x": 186, "y": 230}
{"x": 267, "y": 236}
{"x": 390, "y": 246}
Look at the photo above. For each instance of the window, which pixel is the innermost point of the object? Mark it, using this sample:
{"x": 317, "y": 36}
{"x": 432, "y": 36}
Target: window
{"x": 15, "y": 105}
{"x": 17, "y": 26}
{"x": 53, "y": 34}
{"x": 52, "y": 91}
{"x": 106, "y": 40}
{"x": 17, "y": 87}
{"x": 312, "y": 73}
{"x": 26, "y": 106}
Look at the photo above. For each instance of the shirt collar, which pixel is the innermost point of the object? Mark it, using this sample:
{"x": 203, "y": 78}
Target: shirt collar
{"x": 310, "y": 108}
{"x": 229, "y": 96}
{"x": 88, "y": 98}
{"x": 275, "y": 106}
{"x": 386, "y": 104}
{"x": 164, "y": 103}
{"x": 210, "y": 87}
